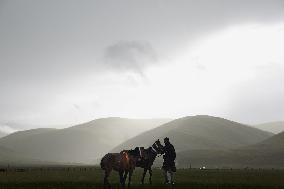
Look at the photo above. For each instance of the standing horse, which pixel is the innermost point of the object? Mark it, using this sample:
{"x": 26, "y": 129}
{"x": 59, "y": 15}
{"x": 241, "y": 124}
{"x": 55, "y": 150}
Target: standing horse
{"x": 123, "y": 162}
{"x": 148, "y": 157}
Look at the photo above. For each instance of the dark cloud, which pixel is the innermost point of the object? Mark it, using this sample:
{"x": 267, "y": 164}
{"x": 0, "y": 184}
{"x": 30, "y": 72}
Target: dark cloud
{"x": 130, "y": 55}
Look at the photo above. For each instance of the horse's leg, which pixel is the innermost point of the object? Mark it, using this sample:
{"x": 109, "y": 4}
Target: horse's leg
{"x": 129, "y": 178}
{"x": 150, "y": 173}
{"x": 125, "y": 176}
{"x": 106, "y": 182}
{"x": 121, "y": 178}
{"x": 143, "y": 176}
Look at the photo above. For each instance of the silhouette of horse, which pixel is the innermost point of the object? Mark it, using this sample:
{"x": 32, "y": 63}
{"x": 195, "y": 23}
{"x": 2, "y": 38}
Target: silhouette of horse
{"x": 123, "y": 162}
{"x": 148, "y": 157}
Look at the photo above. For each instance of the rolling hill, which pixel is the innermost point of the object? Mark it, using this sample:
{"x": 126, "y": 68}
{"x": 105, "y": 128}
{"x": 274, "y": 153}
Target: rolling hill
{"x": 200, "y": 133}
{"x": 9, "y": 157}
{"x": 274, "y": 142}
{"x": 2, "y": 134}
{"x": 274, "y": 127}
{"x": 4, "y": 130}
{"x": 266, "y": 154}
{"x": 215, "y": 142}
{"x": 80, "y": 144}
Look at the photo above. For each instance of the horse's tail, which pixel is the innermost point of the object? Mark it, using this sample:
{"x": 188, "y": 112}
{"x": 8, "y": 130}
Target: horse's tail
{"x": 107, "y": 161}
{"x": 103, "y": 162}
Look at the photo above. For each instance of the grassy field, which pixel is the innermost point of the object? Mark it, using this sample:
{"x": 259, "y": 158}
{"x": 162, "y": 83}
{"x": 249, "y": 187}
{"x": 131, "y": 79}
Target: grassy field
{"x": 91, "y": 177}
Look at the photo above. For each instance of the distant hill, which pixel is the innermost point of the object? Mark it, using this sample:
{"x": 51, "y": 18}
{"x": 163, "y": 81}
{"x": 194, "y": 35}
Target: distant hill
{"x": 5, "y": 130}
{"x": 9, "y": 157}
{"x": 274, "y": 127}
{"x": 200, "y": 133}
{"x": 2, "y": 134}
{"x": 266, "y": 154}
{"x": 81, "y": 144}
{"x": 27, "y": 133}
{"x": 275, "y": 142}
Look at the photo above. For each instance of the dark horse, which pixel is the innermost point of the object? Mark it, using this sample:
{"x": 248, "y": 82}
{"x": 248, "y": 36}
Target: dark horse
{"x": 148, "y": 157}
{"x": 123, "y": 162}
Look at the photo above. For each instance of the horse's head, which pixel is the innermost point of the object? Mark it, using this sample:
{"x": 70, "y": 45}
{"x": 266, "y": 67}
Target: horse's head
{"x": 158, "y": 147}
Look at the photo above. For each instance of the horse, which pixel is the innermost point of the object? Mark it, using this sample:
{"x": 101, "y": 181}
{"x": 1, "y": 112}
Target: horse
{"x": 148, "y": 157}
{"x": 123, "y": 162}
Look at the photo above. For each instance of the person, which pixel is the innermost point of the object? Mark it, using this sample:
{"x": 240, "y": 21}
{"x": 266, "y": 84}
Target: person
{"x": 169, "y": 161}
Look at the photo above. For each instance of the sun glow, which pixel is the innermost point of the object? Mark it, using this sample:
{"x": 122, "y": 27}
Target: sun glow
{"x": 198, "y": 80}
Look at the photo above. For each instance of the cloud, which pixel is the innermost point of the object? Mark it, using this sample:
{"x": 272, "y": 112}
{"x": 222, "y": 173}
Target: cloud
{"x": 130, "y": 55}
{"x": 76, "y": 106}
{"x": 6, "y": 129}
{"x": 260, "y": 99}
{"x": 43, "y": 55}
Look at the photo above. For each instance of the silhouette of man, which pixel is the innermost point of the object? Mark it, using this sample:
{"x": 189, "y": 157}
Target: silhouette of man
{"x": 169, "y": 161}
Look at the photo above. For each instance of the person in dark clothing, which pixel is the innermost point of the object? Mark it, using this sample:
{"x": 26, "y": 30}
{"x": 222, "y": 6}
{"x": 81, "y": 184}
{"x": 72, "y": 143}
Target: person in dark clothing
{"x": 169, "y": 161}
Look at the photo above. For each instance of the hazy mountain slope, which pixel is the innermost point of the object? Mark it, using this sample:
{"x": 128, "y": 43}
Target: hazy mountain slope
{"x": 10, "y": 157}
{"x": 120, "y": 129}
{"x": 5, "y": 130}
{"x": 200, "y": 132}
{"x": 2, "y": 134}
{"x": 26, "y": 133}
{"x": 82, "y": 143}
{"x": 266, "y": 154}
{"x": 274, "y": 127}
{"x": 7, "y": 155}
{"x": 275, "y": 142}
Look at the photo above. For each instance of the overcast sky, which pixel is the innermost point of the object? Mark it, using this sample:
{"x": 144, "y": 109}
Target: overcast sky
{"x": 64, "y": 62}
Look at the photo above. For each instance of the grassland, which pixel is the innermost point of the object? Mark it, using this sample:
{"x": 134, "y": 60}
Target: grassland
{"x": 91, "y": 177}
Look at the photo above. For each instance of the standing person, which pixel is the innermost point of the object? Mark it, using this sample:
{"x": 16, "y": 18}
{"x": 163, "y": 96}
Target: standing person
{"x": 169, "y": 161}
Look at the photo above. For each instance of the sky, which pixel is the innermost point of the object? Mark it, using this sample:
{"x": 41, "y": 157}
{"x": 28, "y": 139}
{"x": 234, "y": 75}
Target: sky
{"x": 64, "y": 62}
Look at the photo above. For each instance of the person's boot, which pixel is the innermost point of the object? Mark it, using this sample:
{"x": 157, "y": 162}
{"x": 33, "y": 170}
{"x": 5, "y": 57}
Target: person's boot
{"x": 171, "y": 174}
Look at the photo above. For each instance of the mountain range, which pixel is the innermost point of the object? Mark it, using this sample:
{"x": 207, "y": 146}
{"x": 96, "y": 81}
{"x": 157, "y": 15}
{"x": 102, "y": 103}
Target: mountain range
{"x": 200, "y": 132}
{"x": 274, "y": 127}
{"x": 199, "y": 141}
{"x": 215, "y": 143}
{"x": 266, "y": 154}
{"x": 82, "y": 143}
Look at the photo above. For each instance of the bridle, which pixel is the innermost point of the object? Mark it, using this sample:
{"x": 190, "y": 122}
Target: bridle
{"x": 155, "y": 151}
